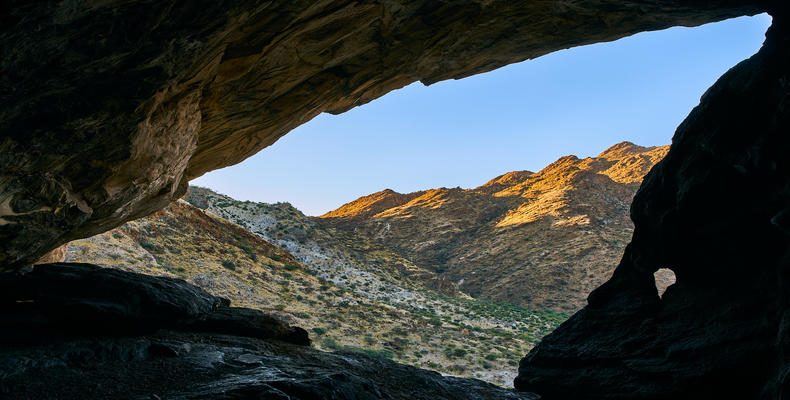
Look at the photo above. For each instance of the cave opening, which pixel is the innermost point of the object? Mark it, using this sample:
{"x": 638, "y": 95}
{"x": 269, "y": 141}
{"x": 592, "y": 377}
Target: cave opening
{"x": 110, "y": 108}
{"x": 460, "y": 280}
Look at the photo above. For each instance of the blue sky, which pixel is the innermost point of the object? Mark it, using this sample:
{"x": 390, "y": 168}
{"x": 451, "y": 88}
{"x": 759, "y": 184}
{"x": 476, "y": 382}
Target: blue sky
{"x": 523, "y": 116}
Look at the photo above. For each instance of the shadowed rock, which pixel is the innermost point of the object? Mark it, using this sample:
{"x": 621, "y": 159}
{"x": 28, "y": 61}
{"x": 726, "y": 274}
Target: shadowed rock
{"x": 715, "y": 211}
{"x": 109, "y": 108}
{"x": 69, "y": 299}
{"x": 210, "y": 366}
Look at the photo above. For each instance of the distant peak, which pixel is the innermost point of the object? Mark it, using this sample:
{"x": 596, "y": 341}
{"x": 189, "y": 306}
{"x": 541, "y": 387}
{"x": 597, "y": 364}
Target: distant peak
{"x": 370, "y": 205}
{"x": 621, "y": 150}
{"x": 508, "y": 179}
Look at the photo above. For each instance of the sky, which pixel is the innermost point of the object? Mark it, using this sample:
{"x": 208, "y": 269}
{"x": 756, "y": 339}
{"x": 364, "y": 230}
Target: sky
{"x": 462, "y": 133}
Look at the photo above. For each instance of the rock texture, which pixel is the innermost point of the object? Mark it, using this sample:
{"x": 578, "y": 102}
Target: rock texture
{"x": 542, "y": 240}
{"x": 91, "y": 332}
{"x": 109, "y": 108}
{"x": 178, "y": 366}
{"x": 716, "y": 211}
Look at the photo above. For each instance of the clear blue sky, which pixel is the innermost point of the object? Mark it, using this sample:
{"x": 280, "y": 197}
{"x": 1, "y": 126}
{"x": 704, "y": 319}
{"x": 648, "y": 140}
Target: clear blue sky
{"x": 524, "y": 116}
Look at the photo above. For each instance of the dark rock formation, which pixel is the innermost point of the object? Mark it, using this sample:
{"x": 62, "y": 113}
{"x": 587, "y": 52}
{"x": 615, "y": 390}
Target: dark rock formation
{"x": 80, "y": 331}
{"x": 70, "y": 299}
{"x": 108, "y": 108}
{"x": 176, "y": 365}
{"x": 716, "y": 211}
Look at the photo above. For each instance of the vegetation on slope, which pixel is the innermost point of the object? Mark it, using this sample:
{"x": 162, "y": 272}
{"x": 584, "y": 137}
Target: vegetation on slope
{"x": 542, "y": 240}
{"x": 361, "y": 310}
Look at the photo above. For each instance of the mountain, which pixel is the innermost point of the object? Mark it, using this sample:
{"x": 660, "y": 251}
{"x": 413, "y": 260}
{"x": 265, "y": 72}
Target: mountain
{"x": 543, "y": 240}
{"x": 463, "y": 281}
{"x": 349, "y": 293}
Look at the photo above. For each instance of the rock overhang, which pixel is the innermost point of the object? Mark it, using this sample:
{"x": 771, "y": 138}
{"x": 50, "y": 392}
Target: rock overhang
{"x": 108, "y": 109}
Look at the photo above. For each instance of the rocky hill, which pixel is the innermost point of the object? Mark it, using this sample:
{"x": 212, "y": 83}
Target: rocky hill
{"x": 391, "y": 274}
{"x": 541, "y": 240}
{"x": 379, "y": 304}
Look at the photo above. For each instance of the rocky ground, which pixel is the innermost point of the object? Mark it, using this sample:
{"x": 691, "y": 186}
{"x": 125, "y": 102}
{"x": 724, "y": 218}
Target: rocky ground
{"x": 76, "y": 331}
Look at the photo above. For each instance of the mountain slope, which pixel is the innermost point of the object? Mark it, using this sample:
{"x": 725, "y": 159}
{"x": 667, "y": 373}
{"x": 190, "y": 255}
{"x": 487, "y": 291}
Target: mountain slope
{"x": 542, "y": 240}
{"x": 345, "y": 301}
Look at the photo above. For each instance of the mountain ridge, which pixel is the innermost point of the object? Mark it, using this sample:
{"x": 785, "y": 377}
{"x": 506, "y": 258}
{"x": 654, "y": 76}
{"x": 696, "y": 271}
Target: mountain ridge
{"x": 574, "y": 211}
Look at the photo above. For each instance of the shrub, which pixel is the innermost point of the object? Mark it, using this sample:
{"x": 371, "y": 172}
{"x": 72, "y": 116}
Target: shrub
{"x": 330, "y": 343}
{"x": 229, "y": 265}
{"x": 319, "y": 331}
{"x": 147, "y": 245}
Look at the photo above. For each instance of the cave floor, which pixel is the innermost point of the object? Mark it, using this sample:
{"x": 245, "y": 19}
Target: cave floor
{"x": 179, "y": 365}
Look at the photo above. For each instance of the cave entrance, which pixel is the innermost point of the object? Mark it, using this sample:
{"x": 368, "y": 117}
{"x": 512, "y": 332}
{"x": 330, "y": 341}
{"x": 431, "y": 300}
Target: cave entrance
{"x": 493, "y": 233}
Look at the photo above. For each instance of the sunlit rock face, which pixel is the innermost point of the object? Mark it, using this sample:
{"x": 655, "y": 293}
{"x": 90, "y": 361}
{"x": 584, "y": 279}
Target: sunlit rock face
{"x": 716, "y": 211}
{"x": 108, "y": 108}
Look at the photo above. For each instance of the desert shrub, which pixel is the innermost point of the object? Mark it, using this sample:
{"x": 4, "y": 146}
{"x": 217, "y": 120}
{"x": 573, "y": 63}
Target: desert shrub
{"x": 319, "y": 331}
{"x": 330, "y": 343}
{"x": 229, "y": 265}
{"x": 147, "y": 245}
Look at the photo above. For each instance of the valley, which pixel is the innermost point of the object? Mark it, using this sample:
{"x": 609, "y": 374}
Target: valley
{"x": 461, "y": 281}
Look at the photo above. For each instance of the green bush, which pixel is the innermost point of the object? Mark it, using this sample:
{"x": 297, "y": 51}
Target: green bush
{"x": 330, "y": 343}
{"x": 229, "y": 265}
{"x": 319, "y": 331}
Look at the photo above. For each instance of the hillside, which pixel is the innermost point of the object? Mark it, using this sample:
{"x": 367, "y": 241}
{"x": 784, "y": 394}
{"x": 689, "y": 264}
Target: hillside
{"x": 541, "y": 240}
{"x": 381, "y": 305}
{"x": 463, "y": 281}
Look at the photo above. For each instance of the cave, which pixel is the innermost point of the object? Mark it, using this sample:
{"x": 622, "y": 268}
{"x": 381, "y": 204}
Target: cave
{"x": 109, "y": 108}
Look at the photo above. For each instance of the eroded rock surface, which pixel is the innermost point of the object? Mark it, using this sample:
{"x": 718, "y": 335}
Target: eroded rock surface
{"x": 177, "y": 365}
{"x": 109, "y": 108}
{"x": 716, "y": 211}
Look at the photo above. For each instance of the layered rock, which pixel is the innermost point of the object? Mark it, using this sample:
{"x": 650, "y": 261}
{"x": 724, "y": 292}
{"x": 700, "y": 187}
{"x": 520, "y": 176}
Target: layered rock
{"x": 109, "y": 108}
{"x": 715, "y": 211}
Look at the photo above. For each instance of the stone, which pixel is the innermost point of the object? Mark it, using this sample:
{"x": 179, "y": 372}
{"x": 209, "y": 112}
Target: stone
{"x": 73, "y": 299}
{"x": 248, "y": 322}
{"x": 212, "y": 366}
{"x": 714, "y": 211}
{"x": 108, "y": 109}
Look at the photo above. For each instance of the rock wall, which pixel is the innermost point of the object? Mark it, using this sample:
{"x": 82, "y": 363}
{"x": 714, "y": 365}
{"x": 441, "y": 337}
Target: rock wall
{"x": 716, "y": 211}
{"x": 109, "y": 108}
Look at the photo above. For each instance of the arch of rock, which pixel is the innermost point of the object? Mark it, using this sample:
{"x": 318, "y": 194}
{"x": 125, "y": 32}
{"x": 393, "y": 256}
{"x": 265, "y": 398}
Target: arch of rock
{"x": 108, "y": 109}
